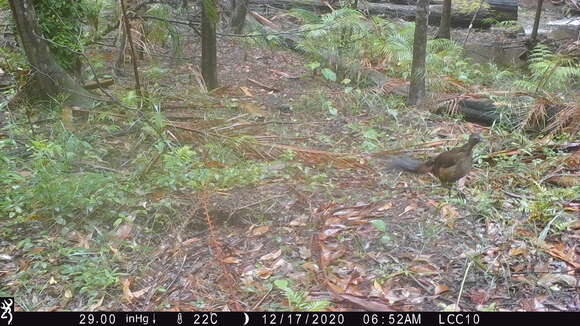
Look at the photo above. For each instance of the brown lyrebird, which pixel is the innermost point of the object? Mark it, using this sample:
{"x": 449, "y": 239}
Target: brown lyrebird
{"x": 448, "y": 166}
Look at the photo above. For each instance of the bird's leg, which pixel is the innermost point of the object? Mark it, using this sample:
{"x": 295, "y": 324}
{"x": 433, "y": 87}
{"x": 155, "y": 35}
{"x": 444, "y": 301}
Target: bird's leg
{"x": 448, "y": 186}
{"x": 461, "y": 195}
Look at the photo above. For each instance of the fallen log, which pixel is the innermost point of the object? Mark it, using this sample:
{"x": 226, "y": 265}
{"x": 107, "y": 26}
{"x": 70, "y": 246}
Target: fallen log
{"x": 500, "y": 10}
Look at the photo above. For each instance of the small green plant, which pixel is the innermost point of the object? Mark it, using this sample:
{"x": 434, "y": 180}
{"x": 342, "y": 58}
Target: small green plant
{"x": 372, "y": 138}
{"x": 381, "y": 226}
{"x": 298, "y": 300}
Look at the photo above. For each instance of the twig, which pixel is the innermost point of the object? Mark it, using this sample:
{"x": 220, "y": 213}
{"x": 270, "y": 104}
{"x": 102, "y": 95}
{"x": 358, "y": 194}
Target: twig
{"x": 515, "y": 195}
{"x": 462, "y": 284}
{"x": 257, "y": 83}
{"x": 471, "y": 23}
{"x": 262, "y": 299}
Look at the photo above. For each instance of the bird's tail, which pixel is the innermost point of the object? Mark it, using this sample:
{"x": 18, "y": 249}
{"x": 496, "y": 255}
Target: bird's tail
{"x": 410, "y": 165}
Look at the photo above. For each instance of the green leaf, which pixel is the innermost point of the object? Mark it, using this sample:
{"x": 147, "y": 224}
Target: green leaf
{"x": 385, "y": 239}
{"x": 313, "y": 65}
{"x": 281, "y": 284}
{"x": 329, "y": 74}
{"x": 379, "y": 225}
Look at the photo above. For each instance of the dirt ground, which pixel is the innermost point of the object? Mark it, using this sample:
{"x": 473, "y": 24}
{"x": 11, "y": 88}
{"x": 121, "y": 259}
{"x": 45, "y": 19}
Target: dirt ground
{"x": 438, "y": 251}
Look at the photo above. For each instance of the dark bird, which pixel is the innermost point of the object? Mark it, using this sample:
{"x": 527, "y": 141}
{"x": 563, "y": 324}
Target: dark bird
{"x": 448, "y": 166}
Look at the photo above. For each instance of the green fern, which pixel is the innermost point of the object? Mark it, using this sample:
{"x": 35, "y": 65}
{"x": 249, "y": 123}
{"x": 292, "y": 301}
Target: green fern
{"x": 550, "y": 71}
{"x": 298, "y": 300}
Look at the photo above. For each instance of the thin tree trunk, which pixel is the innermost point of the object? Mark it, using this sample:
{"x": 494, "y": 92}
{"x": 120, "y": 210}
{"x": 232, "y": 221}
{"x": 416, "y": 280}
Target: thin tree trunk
{"x": 52, "y": 78}
{"x": 209, "y": 43}
{"x": 120, "y": 62}
{"x": 133, "y": 56}
{"x": 534, "y": 35}
{"x": 417, "y": 87}
{"x": 239, "y": 16}
{"x": 445, "y": 23}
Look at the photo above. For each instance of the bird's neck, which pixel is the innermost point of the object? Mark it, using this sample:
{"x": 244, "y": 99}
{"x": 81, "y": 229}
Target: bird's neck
{"x": 468, "y": 147}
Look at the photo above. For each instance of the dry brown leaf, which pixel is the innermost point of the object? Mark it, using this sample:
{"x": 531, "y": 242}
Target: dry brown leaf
{"x": 328, "y": 254}
{"x": 299, "y": 221}
{"x": 272, "y": 255}
{"x": 332, "y": 221}
{"x": 67, "y": 118}
{"x": 440, "y": 288}
{"x": 311, "y": 267}
{"x": 518, "y": 251}
{"x": 252, "y": 109}
{"x": 260, "y": 230}
{"x": 264, "y": 273}
{"x": 246, "y": 91}
{"x": 574, "y": 226}
{"x": 328, "y": 233}
{"x": 385, "y": 207}
{"x": 97, "y": 304}
{"x": 548, "y": 280}
{"x": 114, "y": 250}
{"x": 369, "y": 305}
{"x": 449, "y": 214}
{"x": 231, "y": 260}
{"x": 139, "y": 293}
{"x": 189, "y": 241}
{"x": 424, "y": 269}
{"x": 304, "y": 253}
{"x": 478, "y": 296}
{"x": 408, "y": 209}
{"x": 123, "y": 231}
{"x": 558, "y": 250}
{"x": 334, "y": 288}
{"x": 378, "y": 288}
{"x": 127, "y": 294}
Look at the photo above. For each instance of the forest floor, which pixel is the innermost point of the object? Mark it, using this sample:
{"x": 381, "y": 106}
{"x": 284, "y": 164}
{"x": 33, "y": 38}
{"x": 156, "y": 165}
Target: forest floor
{"x": 341, "y": 229}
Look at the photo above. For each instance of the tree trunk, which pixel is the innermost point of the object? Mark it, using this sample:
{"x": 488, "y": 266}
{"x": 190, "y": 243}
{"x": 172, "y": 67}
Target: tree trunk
{"x": 445, "y": 23}
{"x": 417, "y": 87}
{"x": 537, "y": 21}
{"x": 209, "y": 43}
{"x": 51, "y": 77}
{"x": 238, "y": 18}
{"x": 120, "y": 61}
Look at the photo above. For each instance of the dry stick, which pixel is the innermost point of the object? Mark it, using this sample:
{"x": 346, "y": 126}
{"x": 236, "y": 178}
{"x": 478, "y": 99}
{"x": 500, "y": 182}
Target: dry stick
{"x": 262, "y": 299}
{"x": 463, "y": 283}
{"x": 133, "y": 57}
{"x": 471, "y": 23}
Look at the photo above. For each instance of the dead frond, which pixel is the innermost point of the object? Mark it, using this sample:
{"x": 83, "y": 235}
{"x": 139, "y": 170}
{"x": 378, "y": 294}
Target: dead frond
{"x": 452, "y": 105}
{"x": 537, "y": 114}
{"x": 566, "y": 120}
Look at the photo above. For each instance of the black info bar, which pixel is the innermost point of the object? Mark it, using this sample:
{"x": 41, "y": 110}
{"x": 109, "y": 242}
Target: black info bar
{"x": 288, "y": 318}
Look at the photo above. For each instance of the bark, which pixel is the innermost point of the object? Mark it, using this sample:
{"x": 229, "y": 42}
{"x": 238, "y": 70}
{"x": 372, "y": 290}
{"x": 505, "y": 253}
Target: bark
{"x": 238, "y": 18}
{"x": 445, "y": 23}
{"x": 51, "y": 77}
{"x": 537, "y": 21}
{"x": 417, "y": 87}
{"x": 208, "y": 44}
{"x": 120, "y": 61}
